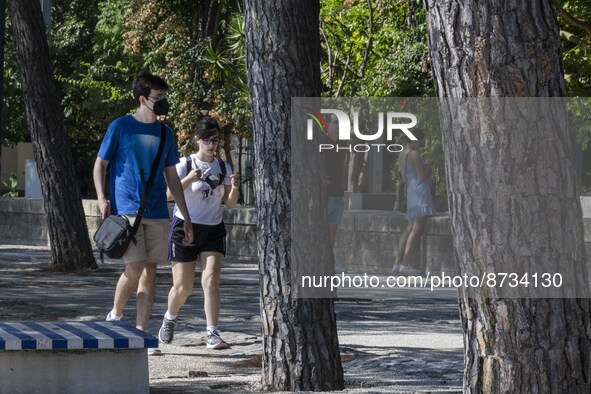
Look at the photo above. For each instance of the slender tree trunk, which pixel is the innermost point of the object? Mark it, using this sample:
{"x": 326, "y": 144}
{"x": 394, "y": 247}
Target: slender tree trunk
{"x": 227, "y": 136}
{"x": 227, "y": 146}
{"x": 300, "y": 345}
{"x": 70, "y": 245}
{"x": 211, "y": 12}
{"x": 512, "y": 193}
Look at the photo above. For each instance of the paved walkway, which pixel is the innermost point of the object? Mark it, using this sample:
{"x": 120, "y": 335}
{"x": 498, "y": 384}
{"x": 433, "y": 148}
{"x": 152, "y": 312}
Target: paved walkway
{"x": 393, "y": 344}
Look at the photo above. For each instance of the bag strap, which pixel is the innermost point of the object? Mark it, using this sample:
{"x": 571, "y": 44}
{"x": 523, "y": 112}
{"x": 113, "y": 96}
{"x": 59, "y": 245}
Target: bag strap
{"x": 222, "y": 176}
{"x": 188, "y": 164}
{"x": 141, "y": 210}
{"x": 222, "y": 170}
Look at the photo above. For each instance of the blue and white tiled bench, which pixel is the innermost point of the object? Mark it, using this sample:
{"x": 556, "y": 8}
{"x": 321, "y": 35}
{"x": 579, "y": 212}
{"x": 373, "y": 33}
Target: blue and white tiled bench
{"x": 74, "y": 357}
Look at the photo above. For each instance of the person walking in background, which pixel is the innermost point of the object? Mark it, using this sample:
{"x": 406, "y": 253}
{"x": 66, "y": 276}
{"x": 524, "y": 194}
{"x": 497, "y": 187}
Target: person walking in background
{"x": 207, "y": 183}
{"x": 419, "y": 203}
{"x": 130, "y": 147}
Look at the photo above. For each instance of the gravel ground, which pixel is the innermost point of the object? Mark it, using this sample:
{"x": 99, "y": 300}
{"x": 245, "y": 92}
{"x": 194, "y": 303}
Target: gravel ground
{"x": 397, "y": 343}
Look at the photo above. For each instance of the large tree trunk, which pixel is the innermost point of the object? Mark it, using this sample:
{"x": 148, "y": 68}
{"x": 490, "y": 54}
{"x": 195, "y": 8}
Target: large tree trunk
{"x": 300, "y": 346}
{"x": 512, "y": 193}
{"x": 68, "y": 234}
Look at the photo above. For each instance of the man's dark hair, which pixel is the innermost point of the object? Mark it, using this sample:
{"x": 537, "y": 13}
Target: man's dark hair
{"x": 206, "y": 127}
{"x": 144, "y": 82}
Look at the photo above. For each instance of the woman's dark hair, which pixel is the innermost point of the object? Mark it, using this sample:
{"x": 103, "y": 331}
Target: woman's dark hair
{"x": 419, "y": 133}
{"x": 416, "y": 131}
{"x": 206, "y": 127}
{"x": 144, "y": 82}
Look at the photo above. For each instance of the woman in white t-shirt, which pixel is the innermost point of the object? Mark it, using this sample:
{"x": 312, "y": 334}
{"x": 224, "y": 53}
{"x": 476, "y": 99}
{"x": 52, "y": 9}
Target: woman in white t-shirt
{"x": 208, "y": 182}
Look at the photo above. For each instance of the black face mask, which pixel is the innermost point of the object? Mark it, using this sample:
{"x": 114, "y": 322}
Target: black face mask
{"x": 161, "y": 107}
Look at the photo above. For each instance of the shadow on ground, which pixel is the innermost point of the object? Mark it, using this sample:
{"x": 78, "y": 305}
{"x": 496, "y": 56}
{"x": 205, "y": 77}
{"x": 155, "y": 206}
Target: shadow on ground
{"x": 391, "y": 345}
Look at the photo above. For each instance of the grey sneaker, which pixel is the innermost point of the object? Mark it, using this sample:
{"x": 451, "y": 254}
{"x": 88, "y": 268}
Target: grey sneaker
{"x": 214, "y": 341}
{"x": 166, "y": 333}
{"x": 110, "y": 317}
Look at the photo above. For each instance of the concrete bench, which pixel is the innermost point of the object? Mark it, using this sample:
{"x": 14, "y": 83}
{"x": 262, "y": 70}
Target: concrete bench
{"x": 74, "y": 357}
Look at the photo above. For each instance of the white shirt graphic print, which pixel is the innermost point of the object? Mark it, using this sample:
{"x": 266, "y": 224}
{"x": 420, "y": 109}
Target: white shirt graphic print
{"x": 203, "y": 202}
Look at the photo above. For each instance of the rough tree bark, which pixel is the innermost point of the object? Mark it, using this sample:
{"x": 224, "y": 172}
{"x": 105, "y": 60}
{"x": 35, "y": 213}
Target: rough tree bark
{"x": 512, "y": 195}
{"x": 68, "y": 234}
{"x": 300, "y": 345}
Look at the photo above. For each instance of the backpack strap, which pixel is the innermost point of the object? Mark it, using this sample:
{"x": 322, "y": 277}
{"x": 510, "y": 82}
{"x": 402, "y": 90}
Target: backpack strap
{"x": 188, "y": 164}
{"x": 222, "y": 170}
{"x": 189, "y": 167}
{"x": 223, "y": 174}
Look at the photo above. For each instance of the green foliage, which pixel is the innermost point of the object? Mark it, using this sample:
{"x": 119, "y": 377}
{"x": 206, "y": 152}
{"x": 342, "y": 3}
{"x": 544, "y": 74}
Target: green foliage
{"x": 379, "y": 48}
{"x": 576, "y": 42}
{"x": 575, "y": 30}
{"x": 98, "y": 46}
{"x": 11, "y": 186}
{"x": 580, "y": 113}
{"x": 93, "y": 75}
{"x": 14, "y": 122}
{"x": 375, "y": 49}
{"x": 370, "y": 48}
{"x": 199, "y": 49}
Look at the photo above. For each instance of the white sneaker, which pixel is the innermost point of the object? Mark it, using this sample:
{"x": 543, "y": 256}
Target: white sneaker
{"x": 154, "y": 351}
{"x": 339, "y": 269}
{"x": 410, "y": 270}
{"x": 111, "y": 317}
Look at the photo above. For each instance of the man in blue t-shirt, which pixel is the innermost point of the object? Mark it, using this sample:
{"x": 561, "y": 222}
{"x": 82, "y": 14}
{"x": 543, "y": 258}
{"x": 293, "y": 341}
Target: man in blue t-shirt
{"x": 130, "y": 147}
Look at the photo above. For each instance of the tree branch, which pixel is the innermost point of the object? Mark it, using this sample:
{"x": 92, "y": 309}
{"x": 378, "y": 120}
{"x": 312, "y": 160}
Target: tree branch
{"x": 329, "y": 62}
{"x": 338, "y": 92}
{"x": 369, "y": 41}
{"x": 570, "y": 18}
{"x": 570, "y": 37}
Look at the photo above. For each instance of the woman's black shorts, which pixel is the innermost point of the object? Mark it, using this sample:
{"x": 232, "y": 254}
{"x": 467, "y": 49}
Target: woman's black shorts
{"x": 205, "y": 239}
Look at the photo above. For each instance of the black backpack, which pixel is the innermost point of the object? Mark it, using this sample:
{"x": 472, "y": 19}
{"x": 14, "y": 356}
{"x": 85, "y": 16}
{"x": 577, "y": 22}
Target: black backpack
{"x": 211, "y": 184}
